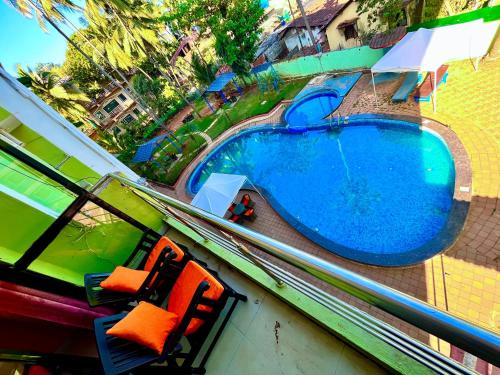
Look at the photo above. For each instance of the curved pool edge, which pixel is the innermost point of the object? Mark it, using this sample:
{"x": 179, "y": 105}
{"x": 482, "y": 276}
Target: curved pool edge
{"x": 309, "y": 96}
{"x": 438, "y": 244}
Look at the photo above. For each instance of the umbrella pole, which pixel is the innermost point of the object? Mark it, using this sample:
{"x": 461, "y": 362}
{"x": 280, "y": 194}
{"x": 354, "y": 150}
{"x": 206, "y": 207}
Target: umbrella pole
{"x": 374, "y": 90}
{"x": 255, "y": 187}
{"x": 434, "y": 92}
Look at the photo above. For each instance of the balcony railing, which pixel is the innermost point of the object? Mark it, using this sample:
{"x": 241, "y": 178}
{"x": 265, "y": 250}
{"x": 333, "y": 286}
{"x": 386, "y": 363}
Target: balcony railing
{"x": 473, "y": 339}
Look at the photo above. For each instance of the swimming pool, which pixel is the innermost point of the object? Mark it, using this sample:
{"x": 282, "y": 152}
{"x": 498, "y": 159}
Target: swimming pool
{"x": 319, "y": 98}
{"x": 378, "y": 192}
{"x": 313, "y": 108}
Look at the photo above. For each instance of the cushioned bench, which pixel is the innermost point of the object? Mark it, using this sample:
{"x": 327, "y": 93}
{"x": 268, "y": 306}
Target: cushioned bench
{"x": 408, "y": 85}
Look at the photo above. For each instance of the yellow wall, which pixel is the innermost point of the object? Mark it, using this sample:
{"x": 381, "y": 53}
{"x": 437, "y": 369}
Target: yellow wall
{"x": 336, "y": 39}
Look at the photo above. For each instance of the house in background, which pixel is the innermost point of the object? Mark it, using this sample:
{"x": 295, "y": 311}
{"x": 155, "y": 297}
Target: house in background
{"x": 271, "y": 48}
{"x": 346, "y": 29}
{"x": 335, "y": 26}
{"x": 114, "y": 107}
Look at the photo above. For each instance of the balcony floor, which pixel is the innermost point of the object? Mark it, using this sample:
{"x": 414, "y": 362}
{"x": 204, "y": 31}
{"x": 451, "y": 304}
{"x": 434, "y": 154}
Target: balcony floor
{"x": 266, "y": 336}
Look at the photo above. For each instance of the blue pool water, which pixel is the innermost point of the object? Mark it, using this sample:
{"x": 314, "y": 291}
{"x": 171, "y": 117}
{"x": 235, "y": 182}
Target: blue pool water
{"x": 313, "y": 108}
{"x": 376, "y": 193}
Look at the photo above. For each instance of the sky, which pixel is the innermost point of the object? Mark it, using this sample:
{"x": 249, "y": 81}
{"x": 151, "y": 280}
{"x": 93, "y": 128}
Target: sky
{"x": 23, "y": 42}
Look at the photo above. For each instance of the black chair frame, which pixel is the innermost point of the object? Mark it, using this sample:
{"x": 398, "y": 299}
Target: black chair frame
{"x": 96, "y": 296}
{"x": 119, "y": 356}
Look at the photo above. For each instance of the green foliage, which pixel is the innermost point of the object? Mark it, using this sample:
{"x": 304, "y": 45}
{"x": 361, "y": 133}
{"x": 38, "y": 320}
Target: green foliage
{"x": 50, "y": 8}
{"x": 124, "y": 141}
{"x": 123, "y": 31}
{"x": 235, "y": 24}
{"x": 156, "y": 93}
{"x": 237, "y": 36}
{"x": 83, "y": 72}
{"x": 62, "y": 95}
{"x": 204, "y": 72}
{"x": 389, "y": 12}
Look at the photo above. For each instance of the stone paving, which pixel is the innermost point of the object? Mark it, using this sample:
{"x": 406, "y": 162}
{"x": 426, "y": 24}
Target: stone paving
{"x": 465, "y": 279}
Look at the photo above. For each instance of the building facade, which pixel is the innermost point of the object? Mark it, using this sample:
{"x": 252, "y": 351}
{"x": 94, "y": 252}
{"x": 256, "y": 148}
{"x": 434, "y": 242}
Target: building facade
{"x": 345, "y": 30}
{"x": 115, "y": 107}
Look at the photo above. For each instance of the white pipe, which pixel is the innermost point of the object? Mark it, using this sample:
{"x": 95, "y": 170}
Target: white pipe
{"x": 434, "y": 92}
{"x": 374, "y": 90}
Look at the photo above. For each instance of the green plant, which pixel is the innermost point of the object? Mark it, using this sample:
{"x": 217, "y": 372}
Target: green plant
{"x": 156, "y": 93}
{"x": 61, "y": 94}
{"x": 388, "y": 12}
{"x": 204, "y": 72}
{"x": 235, "y": 24}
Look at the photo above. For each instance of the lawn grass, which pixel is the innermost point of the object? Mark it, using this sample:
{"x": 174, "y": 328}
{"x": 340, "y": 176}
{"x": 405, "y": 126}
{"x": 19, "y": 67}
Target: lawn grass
{"x": 251, "y": 104}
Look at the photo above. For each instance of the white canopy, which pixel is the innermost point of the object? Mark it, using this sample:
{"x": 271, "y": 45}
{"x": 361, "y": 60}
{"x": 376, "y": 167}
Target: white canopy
{"x": 425, "y": 50}
{"x": 218, "y": 192}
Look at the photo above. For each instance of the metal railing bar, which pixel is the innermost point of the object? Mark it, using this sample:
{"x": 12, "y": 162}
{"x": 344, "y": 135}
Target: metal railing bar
{"x": 243, "y": 250}
{"x": 383, "y": 331}
{"x": 473, "y": 339}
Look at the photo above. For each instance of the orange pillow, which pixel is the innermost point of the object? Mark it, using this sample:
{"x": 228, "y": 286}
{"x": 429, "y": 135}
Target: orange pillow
{"x": 160, "y": 245}
{"x": 185, "y": 287}
{"x": 125, "y": 280}
{"x": 146, "y": 325}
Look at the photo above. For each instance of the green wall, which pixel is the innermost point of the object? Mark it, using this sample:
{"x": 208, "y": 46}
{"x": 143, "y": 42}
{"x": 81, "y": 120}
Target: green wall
{"x": 48, "y": 152}
{"x": 128, "y": 202}
{"x": 20, "y": 225}
{"x": 488, "y": 14}
{"x": 347, "y": 59}
{"x": 83, "y": 246}
{"x": 3, "y": 114}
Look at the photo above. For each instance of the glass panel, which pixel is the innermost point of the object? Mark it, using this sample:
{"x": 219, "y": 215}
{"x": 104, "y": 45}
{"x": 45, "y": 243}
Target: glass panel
{"x": 29, "y": 203}
{"x": 122, "y": 97}
{"x": 95, "y": 241}
{"x": 111, "y": 105}
{"x": 128, "y": 119}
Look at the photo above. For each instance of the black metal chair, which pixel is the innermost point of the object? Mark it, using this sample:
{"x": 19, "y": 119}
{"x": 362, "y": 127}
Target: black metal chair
{"x": 97, "y": 296}
{"x": 120, "y": 356}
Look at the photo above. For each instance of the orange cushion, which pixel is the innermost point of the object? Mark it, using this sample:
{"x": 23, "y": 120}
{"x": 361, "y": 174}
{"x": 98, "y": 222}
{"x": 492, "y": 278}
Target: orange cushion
{"x": 146, "y": 325}
{"x": 160, "y": 245}
{"x": 125, "y": 280}
{"x": 185, "y": 287}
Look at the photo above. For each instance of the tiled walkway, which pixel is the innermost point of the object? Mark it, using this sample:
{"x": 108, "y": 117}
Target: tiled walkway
{"x": 465, "y": 280}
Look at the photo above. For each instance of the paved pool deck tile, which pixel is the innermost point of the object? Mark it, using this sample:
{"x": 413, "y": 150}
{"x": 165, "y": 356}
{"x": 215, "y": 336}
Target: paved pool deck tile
{"x": 465, "y": 279}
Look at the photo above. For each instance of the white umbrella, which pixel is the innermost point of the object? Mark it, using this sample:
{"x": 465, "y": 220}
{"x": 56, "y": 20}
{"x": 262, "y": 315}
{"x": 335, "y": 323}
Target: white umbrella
{"x": 218, "y": 192}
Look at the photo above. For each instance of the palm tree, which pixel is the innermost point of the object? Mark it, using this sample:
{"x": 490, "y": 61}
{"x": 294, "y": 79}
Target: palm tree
{"x": 42, "y": 9}
{"x": 60, "y": 94}
{"x": 125, "y": 33}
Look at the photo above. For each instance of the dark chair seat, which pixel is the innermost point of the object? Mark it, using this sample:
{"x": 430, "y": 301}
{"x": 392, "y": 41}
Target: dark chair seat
{"x": 196, "y": 322}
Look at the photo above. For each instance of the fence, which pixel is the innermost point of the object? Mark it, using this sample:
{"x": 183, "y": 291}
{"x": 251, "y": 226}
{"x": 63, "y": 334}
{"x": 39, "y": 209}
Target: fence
{"x": 347, "y": 59}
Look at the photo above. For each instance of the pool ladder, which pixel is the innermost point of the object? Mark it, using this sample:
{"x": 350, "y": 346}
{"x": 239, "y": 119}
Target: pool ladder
{"x": 345, "y": 120}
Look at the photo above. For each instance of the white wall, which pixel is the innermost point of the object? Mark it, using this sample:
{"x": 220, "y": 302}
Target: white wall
{"x": 336, "y": 38}
{"x": 292, "y": 38}
{"x": 34, "y": 113}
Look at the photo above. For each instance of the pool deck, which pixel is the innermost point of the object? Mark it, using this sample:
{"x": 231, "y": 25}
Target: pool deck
{"x": 465, "y": 279}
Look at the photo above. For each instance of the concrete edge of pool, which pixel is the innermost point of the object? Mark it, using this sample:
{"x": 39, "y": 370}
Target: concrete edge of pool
{"x": 438, "y": 244}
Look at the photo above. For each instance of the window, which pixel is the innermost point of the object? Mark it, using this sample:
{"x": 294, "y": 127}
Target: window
{"x": 110, "y": 106}
{"x": 99, "y": 115}
{"x": 122, "y": 97}
{"x": 137, "y": 111}
{"x": 350, "y": 32}
{"x": 127, "y": 119}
